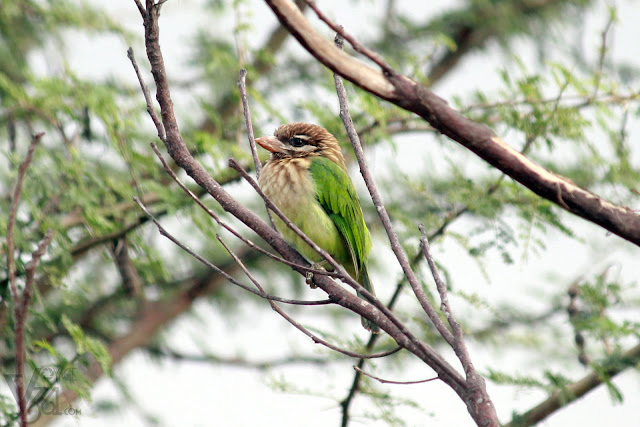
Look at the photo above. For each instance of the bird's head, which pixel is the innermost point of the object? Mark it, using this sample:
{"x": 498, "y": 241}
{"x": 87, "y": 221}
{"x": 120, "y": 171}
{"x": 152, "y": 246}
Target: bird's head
{"x": 299, "y": 140}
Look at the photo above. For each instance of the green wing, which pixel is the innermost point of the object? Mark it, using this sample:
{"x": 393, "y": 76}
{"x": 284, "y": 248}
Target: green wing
{"x": 338, "y": 197}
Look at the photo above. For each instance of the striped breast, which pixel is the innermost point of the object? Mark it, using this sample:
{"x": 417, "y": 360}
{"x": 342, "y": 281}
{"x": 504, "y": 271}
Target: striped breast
{"x": 288, "y": 183}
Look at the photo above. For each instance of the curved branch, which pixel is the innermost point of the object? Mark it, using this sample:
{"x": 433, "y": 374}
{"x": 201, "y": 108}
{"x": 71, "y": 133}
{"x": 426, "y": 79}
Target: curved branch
{"x": 220, "y": 271}
{"x": 411, "y": 96}
{"x": 399, "y": 252}
{"x": 575, "y": 391}
{"x": 178, "y": 151}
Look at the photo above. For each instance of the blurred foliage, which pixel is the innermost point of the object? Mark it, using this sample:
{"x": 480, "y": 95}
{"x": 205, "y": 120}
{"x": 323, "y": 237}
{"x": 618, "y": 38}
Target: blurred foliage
{"x": 95, "y": 156}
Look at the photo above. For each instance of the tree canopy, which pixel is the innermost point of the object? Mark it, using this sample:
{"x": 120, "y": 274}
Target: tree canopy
{"x": 500, "y": 131}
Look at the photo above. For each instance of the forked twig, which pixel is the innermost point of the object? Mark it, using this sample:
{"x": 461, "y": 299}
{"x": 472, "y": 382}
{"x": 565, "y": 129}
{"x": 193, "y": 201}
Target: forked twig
{"x": 227, "y": 227}
{"x": 296, "y": 324}
{"x": 382, "y": 211}
{"x": 218, "y": 270}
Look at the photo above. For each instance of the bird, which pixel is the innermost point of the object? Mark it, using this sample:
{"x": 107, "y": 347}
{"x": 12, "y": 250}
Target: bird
{"x": 306, "y": 178}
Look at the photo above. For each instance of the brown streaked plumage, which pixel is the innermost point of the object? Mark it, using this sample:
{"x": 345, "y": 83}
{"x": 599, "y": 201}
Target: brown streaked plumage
{"x": 306, "y": 178}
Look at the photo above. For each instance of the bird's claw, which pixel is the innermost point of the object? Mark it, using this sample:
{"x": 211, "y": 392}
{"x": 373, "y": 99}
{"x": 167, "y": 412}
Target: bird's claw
{"x": 309, "y": 280}
{"x": 309, "y": 276}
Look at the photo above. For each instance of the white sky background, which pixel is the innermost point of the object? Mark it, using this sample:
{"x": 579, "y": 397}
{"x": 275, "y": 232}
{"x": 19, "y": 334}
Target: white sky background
{"x": 195, "y": 394}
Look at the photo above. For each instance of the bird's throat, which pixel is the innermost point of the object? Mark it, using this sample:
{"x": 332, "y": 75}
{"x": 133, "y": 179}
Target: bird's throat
{"x": 289, "y": 185}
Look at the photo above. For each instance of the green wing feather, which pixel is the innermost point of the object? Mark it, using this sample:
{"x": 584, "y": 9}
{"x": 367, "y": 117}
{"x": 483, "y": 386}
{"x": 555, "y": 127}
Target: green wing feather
{"x": 338, "y": 197}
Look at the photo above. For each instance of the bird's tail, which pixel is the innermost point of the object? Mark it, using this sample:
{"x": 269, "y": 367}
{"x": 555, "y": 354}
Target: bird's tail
{"x": 366, "y": 283}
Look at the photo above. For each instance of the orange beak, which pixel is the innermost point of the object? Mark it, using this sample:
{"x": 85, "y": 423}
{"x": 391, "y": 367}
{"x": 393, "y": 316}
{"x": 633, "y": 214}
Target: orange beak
{"x": 271, "y": 143}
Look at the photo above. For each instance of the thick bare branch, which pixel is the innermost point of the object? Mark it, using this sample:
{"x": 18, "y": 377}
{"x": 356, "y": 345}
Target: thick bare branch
{"x": 316, "y": 339}
{"x": 575, "y": 391}
{"x": 484, "y": 411}
{"x": 404, "y": 92}
{"x": 179, "y": 152}
{"x": 218, "y": 270}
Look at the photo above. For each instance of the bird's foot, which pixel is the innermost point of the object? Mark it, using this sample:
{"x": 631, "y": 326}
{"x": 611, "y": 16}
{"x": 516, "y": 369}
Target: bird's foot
{"x": 316, "y": 266}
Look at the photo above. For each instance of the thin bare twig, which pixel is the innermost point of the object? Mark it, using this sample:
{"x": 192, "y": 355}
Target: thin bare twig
{"x": 386, "y": 221}
{"x": 242, "y": 84}
{"x": 230, "y": 229}
{"x": 218, "y": 270}
{"x": 140, "y": 7}
{"x": 459, "y": 347}
{"x": 383, "y": 381}
{"x": 297, "y": 325}
{"x": 20, "y": 304}
{"x": 357, "y": 46}
{"x": 382, "y": 212}
{"x": 261, "y": 65}
{"x": 603, "y": 53}
{"x": 237, "y": 361}
{"x": 147, "y": 95}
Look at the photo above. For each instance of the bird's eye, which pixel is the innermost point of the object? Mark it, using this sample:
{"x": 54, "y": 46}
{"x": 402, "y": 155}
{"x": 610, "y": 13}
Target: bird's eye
{"x": 297, "y": 142}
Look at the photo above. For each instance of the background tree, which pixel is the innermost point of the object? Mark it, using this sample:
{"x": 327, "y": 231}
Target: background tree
{"x": 108, "y": 284}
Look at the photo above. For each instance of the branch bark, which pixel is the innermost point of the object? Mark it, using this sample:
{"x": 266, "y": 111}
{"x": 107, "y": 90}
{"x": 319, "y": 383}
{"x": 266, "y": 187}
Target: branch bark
{"x": 476, "y": 397}
{"x": 478, "y": 138}
{"x": 575, "y": 391}
{"x": 179, "y": 152}
{"x": 21, "y": 301}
